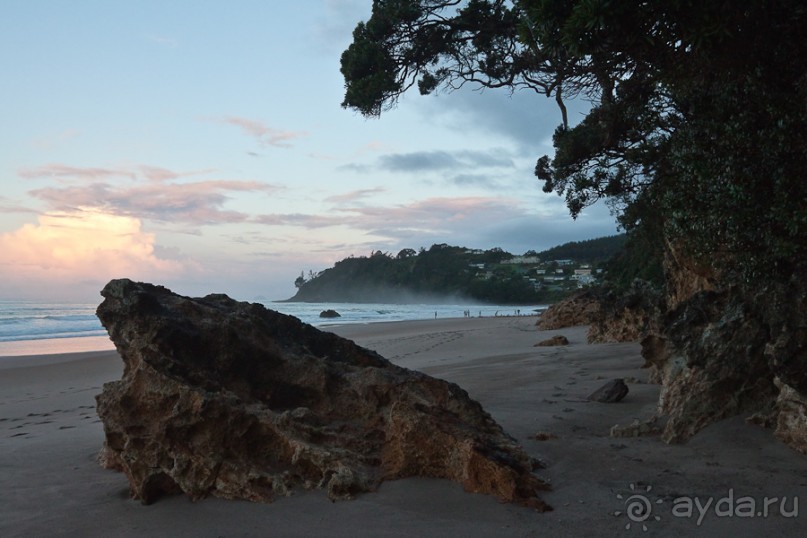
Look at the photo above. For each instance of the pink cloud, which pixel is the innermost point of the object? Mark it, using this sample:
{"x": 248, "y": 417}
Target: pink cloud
{"x": 353, "y": 196}
{"x": 86, "y": 244}
{"x": 63, "y": 171}
{"x": 434, "y": 211}
{"x": 157, "y": 173}
{"x": 198, "y": 203}
{"x": 8, "y": 205}
{"x": 430, "y": 215}
{"x": 48, "y": 143}
{"x": 266, "y": 136}
{"x": 81, "y": 173}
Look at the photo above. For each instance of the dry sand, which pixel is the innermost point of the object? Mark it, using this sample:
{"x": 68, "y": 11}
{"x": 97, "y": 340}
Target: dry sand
{"x": 50, "y": 435}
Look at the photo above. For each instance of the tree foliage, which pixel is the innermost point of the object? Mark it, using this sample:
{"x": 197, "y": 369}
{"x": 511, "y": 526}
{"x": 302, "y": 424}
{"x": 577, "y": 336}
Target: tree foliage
{"x": 444, "y": 273}
{"x": 699, "y": 108}
{"x": 591, "y": 250}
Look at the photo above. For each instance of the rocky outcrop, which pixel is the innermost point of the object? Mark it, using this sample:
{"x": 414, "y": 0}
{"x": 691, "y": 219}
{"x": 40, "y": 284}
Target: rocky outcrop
{"x": 557, "y": 340}
{"x": 711, "y": 364}
{"x": 611, "y": 317}
{"x": 330, "y": 314}
{"x": 791, "y": 417}
{"x": 685, "y": 276}
{"x": 612, "y": 392}
{"x": 626, "y": 317}
{"x": 637, "y": 428}
{"x": 578, "y": 309}
{"x": 738, "y": 350}
{"x": 230, "y": 399}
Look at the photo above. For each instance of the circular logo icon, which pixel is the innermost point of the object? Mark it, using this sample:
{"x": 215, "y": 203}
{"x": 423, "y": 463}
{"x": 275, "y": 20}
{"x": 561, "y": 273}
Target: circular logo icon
{"x": 638, "y": 507}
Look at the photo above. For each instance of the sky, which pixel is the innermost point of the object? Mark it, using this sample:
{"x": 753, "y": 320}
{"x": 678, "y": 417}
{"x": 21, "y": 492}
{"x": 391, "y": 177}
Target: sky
{"x": 201, "y": 145}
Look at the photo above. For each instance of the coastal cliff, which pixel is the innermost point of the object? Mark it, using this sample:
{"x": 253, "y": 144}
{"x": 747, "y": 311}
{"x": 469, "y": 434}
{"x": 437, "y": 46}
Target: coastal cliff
{"x": 717, "y": 351}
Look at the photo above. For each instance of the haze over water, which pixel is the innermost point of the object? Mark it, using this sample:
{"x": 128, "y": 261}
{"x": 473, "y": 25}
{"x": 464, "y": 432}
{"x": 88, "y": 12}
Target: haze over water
{"x": 34, "y": 328}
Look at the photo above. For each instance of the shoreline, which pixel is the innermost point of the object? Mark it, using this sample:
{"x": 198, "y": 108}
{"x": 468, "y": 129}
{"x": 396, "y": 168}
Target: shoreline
{"x": 55, "y": 346}
{"x": 82, "y": 344}
{"x": 50, "y": 436}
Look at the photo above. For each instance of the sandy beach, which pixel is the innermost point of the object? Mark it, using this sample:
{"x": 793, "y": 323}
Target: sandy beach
{"x": 731, "y": 472}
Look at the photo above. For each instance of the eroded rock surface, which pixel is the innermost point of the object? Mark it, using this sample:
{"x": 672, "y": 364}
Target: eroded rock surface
{"x": 722, "y": 352}
{"x": 578, "y": 309}
{"x": 557, "y": 340}
{"x": 627, "y": 317}
{"x": 225, "y": 398}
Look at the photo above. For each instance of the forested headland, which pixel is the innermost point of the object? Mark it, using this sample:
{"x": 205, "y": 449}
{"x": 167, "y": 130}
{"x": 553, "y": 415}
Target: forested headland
{"x": 445, "y": 273}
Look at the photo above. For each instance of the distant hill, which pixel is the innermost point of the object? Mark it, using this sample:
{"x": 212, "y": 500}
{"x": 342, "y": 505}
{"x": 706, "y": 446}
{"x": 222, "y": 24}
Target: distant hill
{"x": 589, "y": 251}
{"x": 445, "y": 273}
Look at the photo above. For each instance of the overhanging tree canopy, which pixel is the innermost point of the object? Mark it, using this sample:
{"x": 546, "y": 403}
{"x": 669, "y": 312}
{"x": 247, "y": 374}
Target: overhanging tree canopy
{"x": 699, "y": 107}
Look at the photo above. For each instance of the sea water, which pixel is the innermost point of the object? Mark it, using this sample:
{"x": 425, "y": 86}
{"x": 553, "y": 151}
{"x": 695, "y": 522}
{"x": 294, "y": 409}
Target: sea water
{"x": 34, "y": 328}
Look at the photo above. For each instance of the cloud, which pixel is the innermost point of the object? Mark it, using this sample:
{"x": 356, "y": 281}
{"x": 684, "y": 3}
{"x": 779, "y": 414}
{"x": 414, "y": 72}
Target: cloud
{"x": 432, "y": 215}
{"x": 299, "y": 219}
{"x": 85, "y": 245}
{"x": 50, "y": 142}
{"x": 265, "y": 135}
{"x": 473, "y": 221}
{"x": 195, "y": 203}
{"x": 7, "y": 205}
{"x": 478, "y": 180}
{"x": 438, "y": 161}
{"x": 354, "y": 196}
{"x": 64, "y": 171}
{"x": 67, "y": 172}
{"x": 157, "y": 173}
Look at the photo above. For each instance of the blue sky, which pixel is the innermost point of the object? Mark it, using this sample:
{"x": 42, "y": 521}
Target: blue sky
{"x": 201, "y": 145}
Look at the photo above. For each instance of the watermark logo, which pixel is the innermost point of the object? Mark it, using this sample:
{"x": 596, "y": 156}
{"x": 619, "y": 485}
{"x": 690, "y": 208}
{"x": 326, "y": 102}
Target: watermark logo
{"x": 638, "y": 508}
{"x": 734, "y": 506}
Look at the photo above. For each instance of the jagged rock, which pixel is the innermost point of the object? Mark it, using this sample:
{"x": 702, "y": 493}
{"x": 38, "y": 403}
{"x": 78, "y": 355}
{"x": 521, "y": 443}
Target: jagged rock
{"x": 685, "y": 276}
{"x": 611, "y": 392}
{"x": 791, "y": 421}
{"x": 230, "y": 399}
{"x": 627, "y": 317}
{"x": 579, "y": 309}
{"x": 330, "y": 314}
{"x": 713, "y": 365}
{"x": 557, "y": 340}
{"x": 637, "y": 428}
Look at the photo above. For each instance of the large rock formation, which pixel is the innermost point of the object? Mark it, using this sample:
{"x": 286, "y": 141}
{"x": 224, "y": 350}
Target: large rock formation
{"x": 230, "y": 399}
{"x": 626, "y": 317}
{"x": 611, "y": 317}
{"x": 716, "y": 350}
{"x": 577, "y": 309}
{"x": 722, "y": 352}
{"x": 710, "y": 363}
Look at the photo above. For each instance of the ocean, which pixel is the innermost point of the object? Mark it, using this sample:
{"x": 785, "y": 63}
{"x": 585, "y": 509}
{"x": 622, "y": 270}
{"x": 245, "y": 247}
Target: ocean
{"x": 35, "y": 328}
